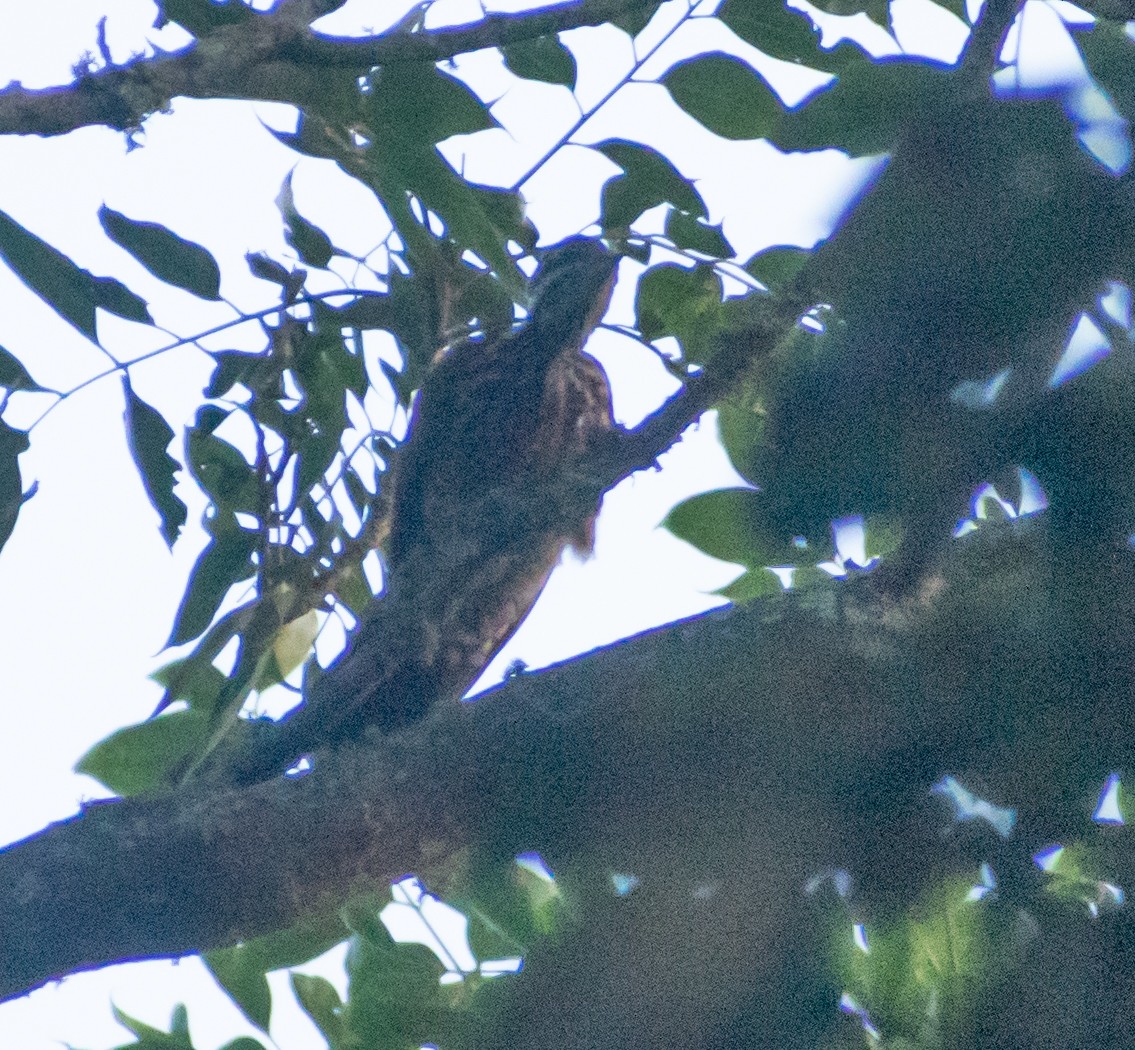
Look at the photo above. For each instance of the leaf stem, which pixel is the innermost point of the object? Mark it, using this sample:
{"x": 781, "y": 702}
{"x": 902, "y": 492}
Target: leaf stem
{"x": 585, "y": 116}
{"x": 243, "y": 319}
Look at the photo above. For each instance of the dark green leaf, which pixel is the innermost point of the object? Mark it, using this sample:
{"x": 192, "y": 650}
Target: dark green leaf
{"x": 776, "y": 267}
{"x": 418, "y": 103}
{"x": 148, "y": 436}
{"x": 70, "y": 290}
{"x": 691, "y": 233}
{"x": 777, "y": 30}
{"x": 311, "y": 244}
{"x": 1110, "y": 55}
{"x": 116, "y": 298}
{"x": 322, "y": 1004}
{"x": 233, "y": 366}
{"x": 148, "y": 756}
{"x": 12, "y": 443}
{"x": 684, "y": 303}
{"x": 648, "y": 179}
{"x": 725, "y": 95}
{"x": 225, "y": 560}
{"x": 541, "y": 58}
{"x": 879, "y": 11}
{"x": 244, "y": 1042}
{"x": 219, "y": 468}
{"x": 867, "y": 107}
{"x": 13, "y": 375}
{"x": 201, "y": 16}
{"x": 168, "y": 257}
{"x": 311, "y": 138}
{"x": 634, "y": 21}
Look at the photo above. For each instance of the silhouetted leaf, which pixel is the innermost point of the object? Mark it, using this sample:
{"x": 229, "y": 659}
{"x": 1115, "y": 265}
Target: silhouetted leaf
{"x": 777, "y": 30}
{"x": 311, "y": 244}
{"x": 12, "y": 443}
{"x": 725, "y": 95}
{"x": 634, "y": 21}
{"x": 200, "y": 16}
{"x": 148, "y": 436}
{"x": 71, "y": 291}
{"x": 648, "y": 179}
{"x": 13, "y": 375}
{"x": 225, "y": 560}
{"x": 867, "y": 107}
{"x": 688, "y": 232}
{"x": 541, "y": 58}
{"x": 168, "y": 257}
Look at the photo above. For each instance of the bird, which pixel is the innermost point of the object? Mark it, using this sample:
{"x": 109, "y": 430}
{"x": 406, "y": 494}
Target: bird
{"x": 478, "y": 521}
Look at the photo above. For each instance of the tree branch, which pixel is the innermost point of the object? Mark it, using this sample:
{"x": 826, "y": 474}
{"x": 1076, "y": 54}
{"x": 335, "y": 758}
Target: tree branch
{"x": 271, "y": 58}
{"x": 745, "y": 751}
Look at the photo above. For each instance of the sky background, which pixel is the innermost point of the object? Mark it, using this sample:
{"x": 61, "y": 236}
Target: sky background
{"x": 89, "y": 587}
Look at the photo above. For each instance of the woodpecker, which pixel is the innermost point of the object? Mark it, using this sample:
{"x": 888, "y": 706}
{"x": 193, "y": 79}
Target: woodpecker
{"x": 475, "y": 530}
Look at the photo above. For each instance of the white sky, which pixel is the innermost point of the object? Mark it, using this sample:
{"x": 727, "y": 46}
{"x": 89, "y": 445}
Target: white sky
{"x": 90, "y": 588}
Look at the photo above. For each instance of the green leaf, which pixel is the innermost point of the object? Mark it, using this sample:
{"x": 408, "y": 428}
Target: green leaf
{"x": 726, "y": 95}
{"x": 71, "y": 291}
{"x": 394, "y": 995}
{"x": 148, "y": 436}
{"x": 242, "y": 970}
{"x": 147, "y": 756}
{"x": 239, "y": 971}
{"x": 542, "y": 58}
{"x": 751, "y": 584}
{"x": 226, "y": 559}
{"x": 194, "y": 680}
{"x": 691, "y": 233}
{"x": 648, "y": 179}
{"x": 684, "y": 303}
{"x": 293, "y": 642}
{"x": 718, "y": 523}
{"x": 170, "y": 258}
{"x": 312, "y": 245}
{"x": 412, "y": 107}
{"x": 740, "y": 425}
{"x": 12, "y": 443}
{"x": 322, "y": 1004}
{"x": 13, "y": 375}
{"x": 244, "y": 1042}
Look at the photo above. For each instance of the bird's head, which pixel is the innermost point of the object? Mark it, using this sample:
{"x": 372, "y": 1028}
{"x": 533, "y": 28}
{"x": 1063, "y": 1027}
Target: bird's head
{"x": 573, "y": 287}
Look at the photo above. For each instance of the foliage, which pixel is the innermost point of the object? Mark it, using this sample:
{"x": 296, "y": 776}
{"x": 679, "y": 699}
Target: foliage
{"x": 930, "y": 357}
